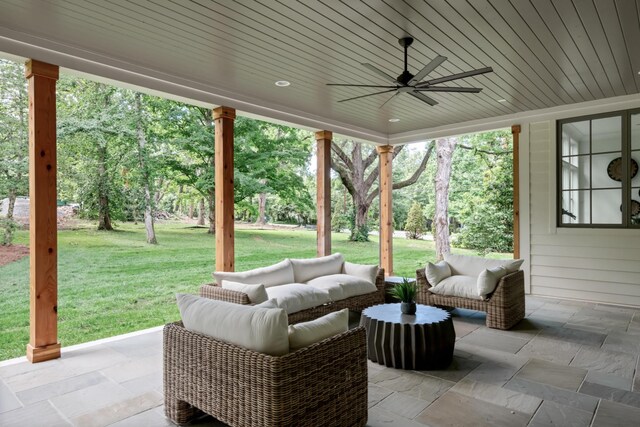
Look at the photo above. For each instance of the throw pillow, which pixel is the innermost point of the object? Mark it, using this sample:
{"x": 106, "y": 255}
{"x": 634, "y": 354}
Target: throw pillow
{"x": 270, "y": 303}
{"x": 306, "y": 333}
{"x": 263, "y": 330}
{"x": 367, "y": 272}
{"x": 256, "y": 293}
{"x": 437, "y": 272}
{"x": 488, "y": 280}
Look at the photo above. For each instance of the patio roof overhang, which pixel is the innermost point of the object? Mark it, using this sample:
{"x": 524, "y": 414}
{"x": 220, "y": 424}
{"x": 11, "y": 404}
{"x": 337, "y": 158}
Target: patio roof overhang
{"x": 546, "y": 56}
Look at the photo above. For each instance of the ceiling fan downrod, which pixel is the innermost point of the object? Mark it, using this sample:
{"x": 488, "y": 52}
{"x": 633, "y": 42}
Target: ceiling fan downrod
{"x": 406, "y": 76}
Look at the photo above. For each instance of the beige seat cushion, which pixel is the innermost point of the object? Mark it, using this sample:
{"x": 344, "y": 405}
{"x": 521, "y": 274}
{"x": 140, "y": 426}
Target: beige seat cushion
{"x": 256, "y": 293}
{"x": 367, "y": 272}
{"x": 472, "y": 265}
{"x": 273, "y": 275}
{"x": 259, "y": 329}
{"x": 306, "y": 333}
{"x": 336, "y": 291}
{"x": 458, "y": 286}
{"x": 309, "y": 268}
{"x": 297, "y": 297}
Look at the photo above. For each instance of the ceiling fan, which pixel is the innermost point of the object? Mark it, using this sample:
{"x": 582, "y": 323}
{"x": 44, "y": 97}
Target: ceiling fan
{"x": 413, "y": 84}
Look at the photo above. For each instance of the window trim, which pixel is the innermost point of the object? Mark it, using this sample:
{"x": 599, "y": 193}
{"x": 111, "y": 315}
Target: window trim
{"x": 626, "y": 154}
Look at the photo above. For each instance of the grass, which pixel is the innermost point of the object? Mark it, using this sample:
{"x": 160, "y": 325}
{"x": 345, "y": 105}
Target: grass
{"x": 111, "y": 283}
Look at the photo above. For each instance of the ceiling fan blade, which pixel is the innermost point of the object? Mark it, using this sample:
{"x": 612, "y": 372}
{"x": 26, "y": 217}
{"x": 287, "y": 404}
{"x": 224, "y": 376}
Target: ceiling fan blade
{"x": 435, "y": 62}
{"x": 448, "y": 89}
{"x": 385, "y": 102}
{"x": 456, "y": 76}
{"x": 379, "y": 72}
{"x": 424, "y": 98}
{"x": 364, "y": 96}
{"x": 350, "y": 85}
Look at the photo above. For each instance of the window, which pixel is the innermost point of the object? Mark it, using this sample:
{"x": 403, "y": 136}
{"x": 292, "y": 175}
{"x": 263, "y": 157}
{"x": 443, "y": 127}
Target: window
{"x": 598, "y": 180}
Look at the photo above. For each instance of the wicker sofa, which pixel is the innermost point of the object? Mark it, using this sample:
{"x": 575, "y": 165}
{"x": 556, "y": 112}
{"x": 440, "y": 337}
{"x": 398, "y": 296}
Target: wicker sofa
{"x": 319, "y": 385}
{"x": 353, "y": 303}
{"x": 505, "y": 305}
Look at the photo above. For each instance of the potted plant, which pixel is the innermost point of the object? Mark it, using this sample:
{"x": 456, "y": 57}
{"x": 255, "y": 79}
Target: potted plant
{"x": 406, "y": 293}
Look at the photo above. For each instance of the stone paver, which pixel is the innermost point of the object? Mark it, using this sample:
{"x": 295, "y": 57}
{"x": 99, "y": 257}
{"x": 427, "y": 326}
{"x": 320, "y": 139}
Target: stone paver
{"x": 563, "y": 363}
{"x": 554, "y": 414}
{"x": 552, "y": 374}
{"x": 454, "y": 409}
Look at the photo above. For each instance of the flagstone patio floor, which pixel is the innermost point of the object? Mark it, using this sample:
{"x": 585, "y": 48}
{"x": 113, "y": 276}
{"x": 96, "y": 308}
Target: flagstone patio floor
{"x": 567, "y": 363}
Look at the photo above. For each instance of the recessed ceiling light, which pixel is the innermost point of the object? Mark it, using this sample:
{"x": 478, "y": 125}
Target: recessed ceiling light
{"x": 394, "y": 120}
{"x": 282, "y": 83}
{"x": 502, "y": 100}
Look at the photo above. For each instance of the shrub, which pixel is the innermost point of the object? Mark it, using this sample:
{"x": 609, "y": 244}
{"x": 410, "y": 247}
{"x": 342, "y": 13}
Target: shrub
{"x": 415, "y": 226}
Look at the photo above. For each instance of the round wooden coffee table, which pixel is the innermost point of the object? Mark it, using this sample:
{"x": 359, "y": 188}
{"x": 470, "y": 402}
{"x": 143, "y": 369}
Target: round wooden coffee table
{"x": 422, "y": 341}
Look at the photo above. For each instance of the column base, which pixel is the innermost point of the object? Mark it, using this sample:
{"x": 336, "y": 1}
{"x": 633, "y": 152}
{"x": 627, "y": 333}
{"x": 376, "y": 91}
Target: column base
{"x": 41, "y": 354}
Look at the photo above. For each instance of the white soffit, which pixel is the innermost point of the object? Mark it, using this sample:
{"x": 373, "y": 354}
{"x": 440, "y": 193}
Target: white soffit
{"x": 546, "y": 54}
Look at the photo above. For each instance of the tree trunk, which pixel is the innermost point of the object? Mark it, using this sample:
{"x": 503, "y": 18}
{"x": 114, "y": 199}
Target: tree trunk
{"x": 444, "y": 153}
{"x": 142, "y": 144}
{"x": 104, "y": 219}
{"x": 262, "y": 207}
{"x": 201, "y": 211}
{"x": 191, "y": 209}
{"x": 212, "y": 212}
{"x": 12, "y": 202}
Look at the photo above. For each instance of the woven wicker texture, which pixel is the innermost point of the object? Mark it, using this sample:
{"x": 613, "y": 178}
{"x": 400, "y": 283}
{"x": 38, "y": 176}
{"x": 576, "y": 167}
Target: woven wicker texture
{"x": 324, "y": 384}
{"x": 357, "y": 303}
{"x": 504, "y": 307}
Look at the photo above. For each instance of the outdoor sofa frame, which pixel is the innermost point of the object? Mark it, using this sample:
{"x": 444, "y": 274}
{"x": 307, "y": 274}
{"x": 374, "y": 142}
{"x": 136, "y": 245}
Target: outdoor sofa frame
{"x": 356, "y": 303}
{"x": 324, "y": 384}
{"x": 504, "y": 307}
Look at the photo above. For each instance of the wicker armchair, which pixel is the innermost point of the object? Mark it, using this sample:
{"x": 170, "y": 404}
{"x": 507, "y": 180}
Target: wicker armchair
{"x": 357, "y": 303}
{"x": 504, "y": 307}
{"x": 324, "y": 384}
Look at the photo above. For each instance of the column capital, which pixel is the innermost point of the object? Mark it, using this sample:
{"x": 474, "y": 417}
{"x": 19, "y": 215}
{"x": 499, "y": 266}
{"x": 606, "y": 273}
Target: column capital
{"x": 515, "y": 129}
{"x": 224, "y": 113}
{"x": 384, "y": 149}
{"x": 324, "y": 134}
{"x": 37, "y": 68}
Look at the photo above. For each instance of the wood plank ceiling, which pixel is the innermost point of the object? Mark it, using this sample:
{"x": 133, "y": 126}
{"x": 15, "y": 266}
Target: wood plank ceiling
{"x": 545, "y": 53}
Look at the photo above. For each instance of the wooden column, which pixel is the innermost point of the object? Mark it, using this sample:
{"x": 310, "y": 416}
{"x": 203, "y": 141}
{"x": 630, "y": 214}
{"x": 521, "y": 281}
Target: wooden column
{"x": 385, "y": 154}
{"x": 323, "y": 198}
{"x": 43, "y": 234}
{"x": 225, "y": 256}
{"x": 515, "y": 130}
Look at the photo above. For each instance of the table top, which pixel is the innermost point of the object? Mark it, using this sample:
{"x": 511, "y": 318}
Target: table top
{"x": 398, "y": 279}
{"x": 425, "y": 314}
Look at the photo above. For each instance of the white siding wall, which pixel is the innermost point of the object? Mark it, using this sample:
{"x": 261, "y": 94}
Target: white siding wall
{"x": 588, "y": 264}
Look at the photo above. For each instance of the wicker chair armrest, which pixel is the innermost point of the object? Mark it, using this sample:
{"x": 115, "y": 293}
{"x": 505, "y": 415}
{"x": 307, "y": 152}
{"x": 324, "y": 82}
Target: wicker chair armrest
{"x": 423, "y": 284}
{"x": 380, "y": 282}
{"x": 508, "y": 285}
{"x": 215, "y": 291}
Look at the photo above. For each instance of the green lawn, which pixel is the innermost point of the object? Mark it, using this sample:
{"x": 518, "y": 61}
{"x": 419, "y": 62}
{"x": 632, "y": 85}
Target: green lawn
{"x": 111, "y": 283}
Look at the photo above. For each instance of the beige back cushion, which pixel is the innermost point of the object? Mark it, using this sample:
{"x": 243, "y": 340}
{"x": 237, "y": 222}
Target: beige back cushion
{"x": 273, "y": 275}
{"x": 472, "y": 265}
{"x": 306, "y": 333}
{"x": 259, "y": 329}
{"x": 366, "y": 272}
{"x": 309, "y": 268}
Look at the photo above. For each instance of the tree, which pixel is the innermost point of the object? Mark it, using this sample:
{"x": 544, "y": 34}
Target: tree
{"x": 95, "y": 136}
{"x": 14, "y": 141}
{"x": 487, "y": 216}
{"x": 145, "y": 169}
{"x": 358, "y": 175}
{"x": 444, "y": 154}
{"x": 414, "y": 228}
